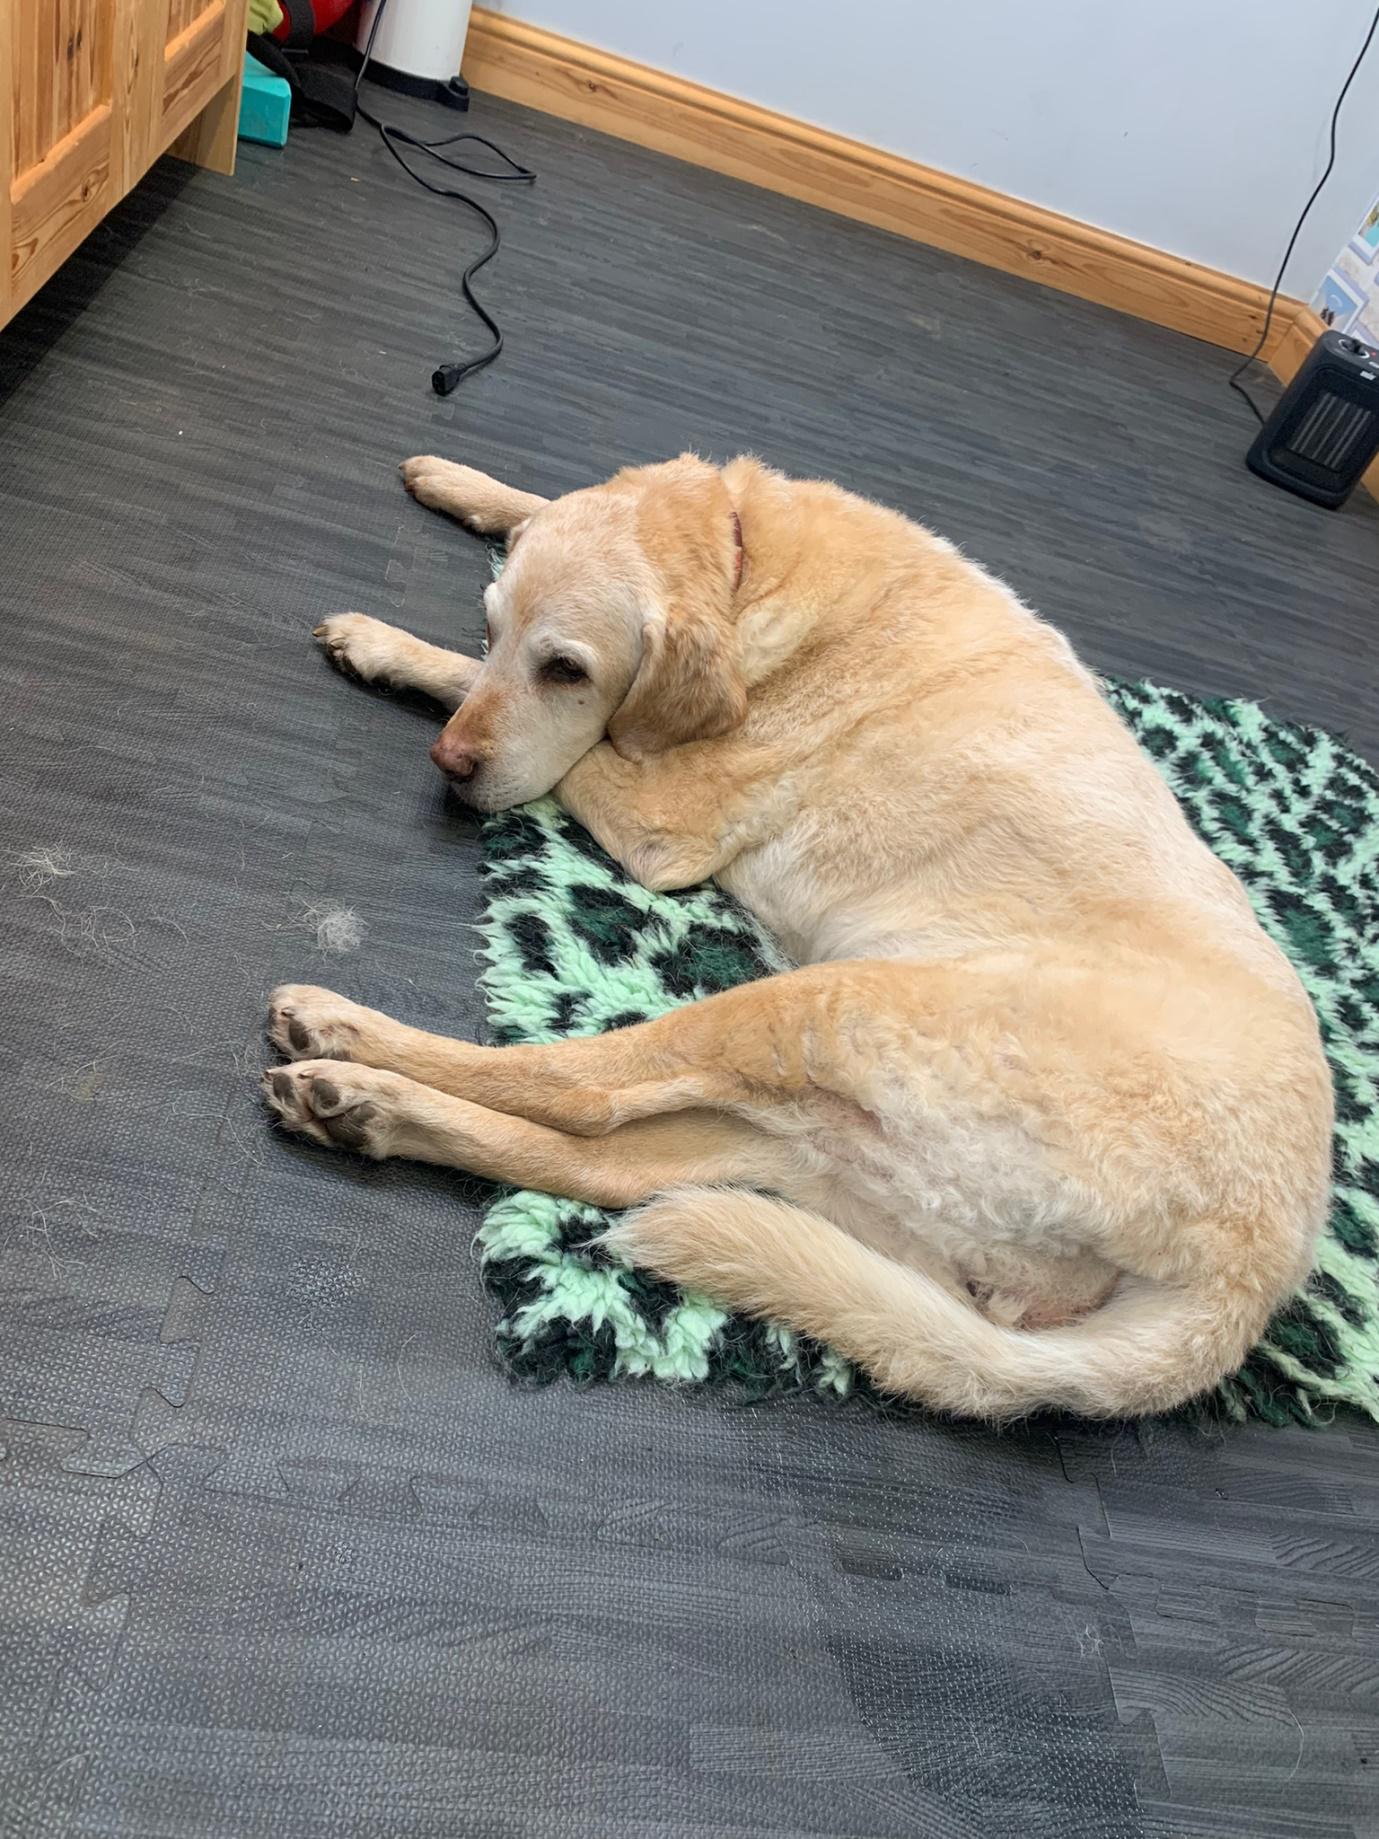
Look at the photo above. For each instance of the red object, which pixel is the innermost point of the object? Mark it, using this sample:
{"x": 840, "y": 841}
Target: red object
{"x": 325, "y": 12}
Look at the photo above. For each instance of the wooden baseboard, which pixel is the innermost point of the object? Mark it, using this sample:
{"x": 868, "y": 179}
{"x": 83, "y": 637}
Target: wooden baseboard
{"x": 1302, "y": 332}
{"x": 525, "y": 63}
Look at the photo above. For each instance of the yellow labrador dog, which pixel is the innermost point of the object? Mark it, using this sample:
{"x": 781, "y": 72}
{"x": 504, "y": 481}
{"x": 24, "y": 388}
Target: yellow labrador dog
{"x": 1042, "y": 1118}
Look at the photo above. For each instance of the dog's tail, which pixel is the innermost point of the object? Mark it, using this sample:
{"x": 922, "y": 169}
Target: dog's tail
{"x": 1151, "y": 1347}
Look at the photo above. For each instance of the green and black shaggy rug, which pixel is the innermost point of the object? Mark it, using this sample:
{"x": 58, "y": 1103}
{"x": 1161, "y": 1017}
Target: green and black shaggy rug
{"x": 575, "y": 947}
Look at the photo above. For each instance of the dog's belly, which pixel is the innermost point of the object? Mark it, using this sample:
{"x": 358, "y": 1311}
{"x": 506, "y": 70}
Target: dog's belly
{"x": 917, "y": 1159}
{"x": 1007, "y": 1242}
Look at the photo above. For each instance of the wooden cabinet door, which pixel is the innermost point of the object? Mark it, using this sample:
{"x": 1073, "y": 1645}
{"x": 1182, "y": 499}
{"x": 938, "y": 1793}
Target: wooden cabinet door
{"x": 202, "y": 45}
{"x": 91, "y": 92}
{"x": 60, "y": 116}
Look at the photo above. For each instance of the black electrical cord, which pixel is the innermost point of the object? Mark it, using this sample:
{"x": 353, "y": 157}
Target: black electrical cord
{"x": 447, "y": 377}
{"x": 1245, "y": 363}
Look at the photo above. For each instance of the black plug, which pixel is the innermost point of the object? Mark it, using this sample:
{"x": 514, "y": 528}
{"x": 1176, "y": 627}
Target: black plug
{"x": 447, "y": 377}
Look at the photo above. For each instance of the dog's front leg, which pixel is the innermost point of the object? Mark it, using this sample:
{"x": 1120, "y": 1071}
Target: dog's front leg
{"x": 393, "y": 659}
{"x": 675, "y": 819}
{"x": 481, "y": 503}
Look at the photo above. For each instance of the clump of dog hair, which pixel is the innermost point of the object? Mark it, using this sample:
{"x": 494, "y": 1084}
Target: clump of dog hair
{"x": 102, "y": 929}
{"x": 40, "y": 865}
{"x": 335, "y": 928}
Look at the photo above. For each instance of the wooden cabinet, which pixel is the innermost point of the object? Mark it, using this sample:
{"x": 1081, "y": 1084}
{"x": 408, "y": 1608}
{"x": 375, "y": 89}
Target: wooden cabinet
{"x": 91, "y": 92}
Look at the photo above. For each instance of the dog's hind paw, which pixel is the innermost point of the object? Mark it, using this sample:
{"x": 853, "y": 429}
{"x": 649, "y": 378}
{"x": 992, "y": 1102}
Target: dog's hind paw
{"x": 347, "y": 1107}
{"x": 308, "y": 1023}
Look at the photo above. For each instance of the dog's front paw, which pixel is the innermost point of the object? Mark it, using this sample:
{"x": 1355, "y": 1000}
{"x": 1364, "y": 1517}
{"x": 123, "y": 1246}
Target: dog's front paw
{"x": 460, "y": 491}
{"x": 360, "y": 646}
{"x": 308, "y": 1023}
{"x": 423, "y": 474}
{"x": 438, "y": 483}
{"x": 349, "y": 1107}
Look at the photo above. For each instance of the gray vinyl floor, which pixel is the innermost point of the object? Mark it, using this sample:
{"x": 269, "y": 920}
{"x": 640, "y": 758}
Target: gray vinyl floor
{"x": 281, "y": 1552}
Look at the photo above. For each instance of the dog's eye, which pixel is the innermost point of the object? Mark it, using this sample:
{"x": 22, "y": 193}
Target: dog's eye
{"x": 561, "y": 669}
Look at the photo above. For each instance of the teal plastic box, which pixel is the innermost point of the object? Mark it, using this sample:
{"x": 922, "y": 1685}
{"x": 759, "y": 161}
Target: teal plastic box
{"x": 264, "y": 106}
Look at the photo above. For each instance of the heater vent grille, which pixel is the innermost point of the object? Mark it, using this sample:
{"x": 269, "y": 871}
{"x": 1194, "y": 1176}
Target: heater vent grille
{"x": 1330, "y": 430}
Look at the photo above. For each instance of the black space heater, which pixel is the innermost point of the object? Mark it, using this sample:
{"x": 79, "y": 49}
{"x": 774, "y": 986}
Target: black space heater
{"x": 1325, "y": 430}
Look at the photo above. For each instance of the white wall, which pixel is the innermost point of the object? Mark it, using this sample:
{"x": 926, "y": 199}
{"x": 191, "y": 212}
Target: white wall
{"x": 1198, "y": 126}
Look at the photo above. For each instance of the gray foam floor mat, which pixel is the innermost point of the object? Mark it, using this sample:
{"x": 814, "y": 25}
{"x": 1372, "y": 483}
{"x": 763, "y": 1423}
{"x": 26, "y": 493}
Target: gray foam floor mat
{"x": 281, "y": 1551}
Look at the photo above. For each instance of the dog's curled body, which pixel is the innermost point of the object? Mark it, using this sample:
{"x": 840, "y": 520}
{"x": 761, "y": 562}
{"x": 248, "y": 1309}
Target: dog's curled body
{"x": 1043, "y": 1112}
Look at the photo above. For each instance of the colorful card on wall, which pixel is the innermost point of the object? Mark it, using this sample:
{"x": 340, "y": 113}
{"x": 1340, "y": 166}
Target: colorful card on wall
{"x": 1336, "y": 303}
{"x": 1365, "y": 242}
{"x": 1348, "y": 299}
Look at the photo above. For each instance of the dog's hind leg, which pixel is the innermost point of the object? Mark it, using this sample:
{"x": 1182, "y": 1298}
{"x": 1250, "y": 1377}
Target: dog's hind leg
{"x": 773, "y": 1045}
{"x": 382, "y": 1114}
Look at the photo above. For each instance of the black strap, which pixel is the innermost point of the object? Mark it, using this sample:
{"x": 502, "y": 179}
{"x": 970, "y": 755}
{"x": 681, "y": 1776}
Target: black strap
{"x": 301, "y": 24}
{"x": 327, "y": 95}
{"x": 272, "y": 56}
{"x": 322, "y": 93}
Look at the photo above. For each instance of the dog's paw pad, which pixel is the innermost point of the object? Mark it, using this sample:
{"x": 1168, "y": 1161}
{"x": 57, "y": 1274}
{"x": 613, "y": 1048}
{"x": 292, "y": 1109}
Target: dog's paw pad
{"x": 341, "y": 1111}
{"x": 307, "y": 1023}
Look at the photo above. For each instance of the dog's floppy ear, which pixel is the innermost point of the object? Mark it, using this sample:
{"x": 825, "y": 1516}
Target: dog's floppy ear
{"x": 687, "y": 688}
{"x": 689, "y": 685}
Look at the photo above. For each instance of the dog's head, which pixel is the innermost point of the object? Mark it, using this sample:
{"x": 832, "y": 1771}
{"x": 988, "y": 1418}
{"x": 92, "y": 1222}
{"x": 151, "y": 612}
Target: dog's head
{"x": 613, "y": 616}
